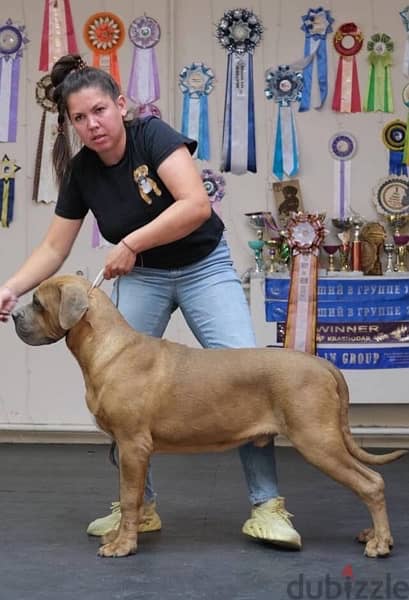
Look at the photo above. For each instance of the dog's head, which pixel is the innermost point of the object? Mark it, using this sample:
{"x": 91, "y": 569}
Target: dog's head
{"x": 58, "y": 304}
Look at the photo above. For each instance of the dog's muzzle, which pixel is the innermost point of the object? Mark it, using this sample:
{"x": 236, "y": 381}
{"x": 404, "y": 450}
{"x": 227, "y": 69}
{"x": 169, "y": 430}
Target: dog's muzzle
{"x": 27, "y": 329}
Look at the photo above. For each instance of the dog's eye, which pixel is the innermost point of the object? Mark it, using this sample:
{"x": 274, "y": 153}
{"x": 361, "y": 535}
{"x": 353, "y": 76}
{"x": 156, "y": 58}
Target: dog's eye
{"x": 36, "y": 303}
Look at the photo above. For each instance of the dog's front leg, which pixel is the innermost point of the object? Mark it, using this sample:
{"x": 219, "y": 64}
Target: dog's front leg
{"x": 133, "y": 462}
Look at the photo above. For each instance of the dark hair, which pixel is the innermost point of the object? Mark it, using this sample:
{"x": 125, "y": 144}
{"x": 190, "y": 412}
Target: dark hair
{"x": 70, "y": 74}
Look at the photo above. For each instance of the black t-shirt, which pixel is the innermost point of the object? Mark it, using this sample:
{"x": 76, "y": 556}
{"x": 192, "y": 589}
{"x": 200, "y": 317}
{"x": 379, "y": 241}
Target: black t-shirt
{"x": 113, "y": 196}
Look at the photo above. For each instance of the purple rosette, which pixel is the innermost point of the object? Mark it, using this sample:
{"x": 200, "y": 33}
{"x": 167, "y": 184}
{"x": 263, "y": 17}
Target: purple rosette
{"x": 143, "y": 87}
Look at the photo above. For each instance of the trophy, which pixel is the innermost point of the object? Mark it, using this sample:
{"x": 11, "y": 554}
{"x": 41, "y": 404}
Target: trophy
{"x": 344, "y": 225}
{"x": 257, "y": 222}
{"x": 331, "y": 250}
{"x": 396, "y": 223}
{"x": 401, "y": 241}
{"x": 274, "y": 245}
{"x": 390, "y": 251}
{"x": 356, "y": 249}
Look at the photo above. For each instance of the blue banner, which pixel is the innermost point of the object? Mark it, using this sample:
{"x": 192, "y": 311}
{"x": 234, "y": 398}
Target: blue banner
{"x": 361, "y": 323}
{"x": 367, "y": 357}
{"x": 345, "y": 300}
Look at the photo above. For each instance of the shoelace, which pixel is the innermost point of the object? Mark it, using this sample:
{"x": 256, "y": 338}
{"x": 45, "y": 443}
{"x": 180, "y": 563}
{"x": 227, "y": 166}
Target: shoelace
{"x": 115, "y": 507}
{"x": 281, "y": 512}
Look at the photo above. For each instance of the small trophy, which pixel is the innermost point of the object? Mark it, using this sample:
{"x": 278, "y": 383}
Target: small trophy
{"x": 257, "y": 222}
{"x": 356, "y": 247}
{"x": 331, "y": 250}
{"x": 401, "y": 240}
{"x": 344, "y": 225}
{"x": 390, "y": 251}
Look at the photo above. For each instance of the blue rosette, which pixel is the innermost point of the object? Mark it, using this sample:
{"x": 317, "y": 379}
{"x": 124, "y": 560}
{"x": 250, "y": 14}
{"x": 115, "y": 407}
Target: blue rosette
{"x": 196, "y": 81}
{"x": 316, "y": 25}
{"x": 284, "y": 85}
{"x": 239, "y": 32}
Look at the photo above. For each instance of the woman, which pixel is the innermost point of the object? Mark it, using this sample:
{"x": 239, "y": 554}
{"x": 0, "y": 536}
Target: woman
{"x": 142, "y": 185}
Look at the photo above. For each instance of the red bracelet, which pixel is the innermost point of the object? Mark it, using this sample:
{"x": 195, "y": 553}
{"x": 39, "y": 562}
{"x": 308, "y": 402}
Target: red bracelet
{"x": 129, "y": 247}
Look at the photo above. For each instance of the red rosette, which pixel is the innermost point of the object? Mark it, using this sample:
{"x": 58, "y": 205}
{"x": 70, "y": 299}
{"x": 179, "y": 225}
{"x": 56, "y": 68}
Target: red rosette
{"x": 348, "y": 31}
{"x": 305, "y": 233}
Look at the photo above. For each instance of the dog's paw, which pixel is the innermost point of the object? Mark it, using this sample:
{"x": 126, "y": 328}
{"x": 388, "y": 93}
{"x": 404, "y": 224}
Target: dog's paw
{"x": 378, "y": 547}
{"x": 118, "y": 548}
{"x": 110, "y": 536}
{"x": 365, "y": 535}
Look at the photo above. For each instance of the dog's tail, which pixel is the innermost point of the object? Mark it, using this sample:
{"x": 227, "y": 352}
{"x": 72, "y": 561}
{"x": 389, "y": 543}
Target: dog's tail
{"x": 353, "y": 447}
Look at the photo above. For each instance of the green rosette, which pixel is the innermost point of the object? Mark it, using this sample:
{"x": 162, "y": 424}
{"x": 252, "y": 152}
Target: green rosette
{"x": 379, "y": 90}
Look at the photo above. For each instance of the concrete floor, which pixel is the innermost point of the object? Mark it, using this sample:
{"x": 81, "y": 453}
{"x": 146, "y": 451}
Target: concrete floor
{"x": 49, "y": 493}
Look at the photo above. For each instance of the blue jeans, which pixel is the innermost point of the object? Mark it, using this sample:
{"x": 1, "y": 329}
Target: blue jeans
{"x": 212, "y": 301}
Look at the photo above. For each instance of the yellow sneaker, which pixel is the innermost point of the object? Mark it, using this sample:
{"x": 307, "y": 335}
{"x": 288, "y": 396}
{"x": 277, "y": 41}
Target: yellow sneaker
{"x": 150, "y": 520}
{"x": 271, "y": 522}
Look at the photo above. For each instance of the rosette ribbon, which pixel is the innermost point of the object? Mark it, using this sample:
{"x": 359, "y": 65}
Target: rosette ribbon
{"x": 196, "y": 83}
{"x": 143, "y": 86}
{"x": 58, "y": 35}
{"x": 405, "y": 99}
{"x": 305, "y": 234}
{"x": 393, "y": 137}
{"x": 12, "y": 43}
{"x": 378, "y": 95}
{"x": 214, "y": 184}
{"x": 104, "y": 34}
{"x": 239, "y": 32}
{"x": 348, "y": 41}
{"x": 8, "y": 169}
{"x": 342, "y": 147}
{"x": 405, "y": 20}
{"x": 44, "y": 187}
{"x": 285, "y": 87}
{"x": 316, "y": 24}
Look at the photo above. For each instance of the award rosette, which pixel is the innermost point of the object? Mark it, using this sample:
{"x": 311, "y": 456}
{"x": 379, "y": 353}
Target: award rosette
{"x": 342, "y": 147}
{"x": 348, "y": 41}
{"x": 405, "y": 99}
{"x": 316, "y": 24}
{"x": 143, "y": 86}
{"x": 239, "y": 32}
{"x": 378, "y": 95}
{"x": 12, "y": 42}
{"x": 214, "y": 184}
{"x": 58, "y": 36}
{"x": 285, "y": 87}
{"x": 404, "y": 13}
{"x": 44, "y": 188}
{"x": 8, "y": 169}
{"x": 391, "y": 195}
{"x": 305, "y": 234}
{"x": 104, "y": 33}
{"x": 393, "y": 137}
{"x": 196, "y": 82}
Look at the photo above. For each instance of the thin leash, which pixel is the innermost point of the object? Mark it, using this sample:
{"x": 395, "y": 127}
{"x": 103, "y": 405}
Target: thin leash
{"x": 97, "y": 281}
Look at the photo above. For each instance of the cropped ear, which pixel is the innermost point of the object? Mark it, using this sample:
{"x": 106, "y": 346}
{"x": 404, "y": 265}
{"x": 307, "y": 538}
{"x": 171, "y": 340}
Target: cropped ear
{"x": 73, "y": 305}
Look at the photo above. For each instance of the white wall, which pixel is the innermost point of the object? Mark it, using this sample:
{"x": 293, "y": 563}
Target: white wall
{"x": 42, "y": 387}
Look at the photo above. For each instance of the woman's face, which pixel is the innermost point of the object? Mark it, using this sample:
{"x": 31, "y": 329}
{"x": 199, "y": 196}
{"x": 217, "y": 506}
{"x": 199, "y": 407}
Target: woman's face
{"x": 98, "y": 121}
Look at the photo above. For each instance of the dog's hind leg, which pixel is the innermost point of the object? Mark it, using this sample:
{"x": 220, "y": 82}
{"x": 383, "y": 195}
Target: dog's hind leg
{"x": 133, "y": 463}
{"x": 327, "y": 451}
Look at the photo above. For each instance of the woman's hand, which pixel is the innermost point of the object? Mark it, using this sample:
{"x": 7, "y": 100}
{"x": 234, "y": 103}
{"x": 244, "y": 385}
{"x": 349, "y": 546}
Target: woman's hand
{"x": 8, "y": 301}
{"x": 119, "y": 261}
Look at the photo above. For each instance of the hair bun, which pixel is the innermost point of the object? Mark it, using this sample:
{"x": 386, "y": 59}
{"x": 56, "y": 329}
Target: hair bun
{"x": 64, "y": 65}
